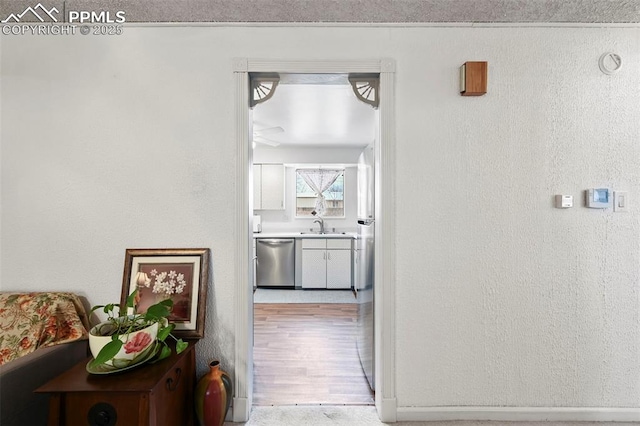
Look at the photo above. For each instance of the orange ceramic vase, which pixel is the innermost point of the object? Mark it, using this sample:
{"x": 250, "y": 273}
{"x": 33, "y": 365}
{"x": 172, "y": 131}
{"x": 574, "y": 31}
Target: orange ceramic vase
{"x": 213, "y": 396}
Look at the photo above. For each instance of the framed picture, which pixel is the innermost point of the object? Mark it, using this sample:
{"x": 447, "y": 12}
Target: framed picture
{"x": 177, "y": 274}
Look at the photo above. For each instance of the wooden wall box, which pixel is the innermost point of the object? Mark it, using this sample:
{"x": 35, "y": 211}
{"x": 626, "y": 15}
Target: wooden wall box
{"x": 153, "y": 394}
{"x": 473, "y": 79}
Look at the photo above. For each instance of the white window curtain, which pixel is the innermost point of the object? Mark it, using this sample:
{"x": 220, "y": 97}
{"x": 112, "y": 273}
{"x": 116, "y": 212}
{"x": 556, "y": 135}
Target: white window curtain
{"x": 320, "y": 180}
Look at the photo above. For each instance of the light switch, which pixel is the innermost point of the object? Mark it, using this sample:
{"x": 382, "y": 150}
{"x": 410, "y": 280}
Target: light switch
{"x": 621, "y": 201}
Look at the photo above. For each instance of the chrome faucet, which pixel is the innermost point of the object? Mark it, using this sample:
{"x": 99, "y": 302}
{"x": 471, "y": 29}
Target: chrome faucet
{"x": 321, "y": 222}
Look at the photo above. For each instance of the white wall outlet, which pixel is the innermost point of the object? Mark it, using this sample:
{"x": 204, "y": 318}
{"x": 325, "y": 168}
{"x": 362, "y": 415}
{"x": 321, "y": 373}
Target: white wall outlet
{"x": 564, "y": 201}
{"x": 620, "y": 201}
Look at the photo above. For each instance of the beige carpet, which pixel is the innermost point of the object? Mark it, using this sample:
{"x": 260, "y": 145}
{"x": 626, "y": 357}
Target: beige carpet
{"x": 366, "y": 416}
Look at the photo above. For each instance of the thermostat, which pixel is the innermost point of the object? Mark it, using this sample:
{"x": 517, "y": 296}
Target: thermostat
{"x": 598, "y": 198}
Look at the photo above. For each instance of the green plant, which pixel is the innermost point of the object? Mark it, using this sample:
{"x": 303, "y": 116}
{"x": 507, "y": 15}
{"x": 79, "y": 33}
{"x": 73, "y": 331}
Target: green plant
{"x": 123, "y": 325}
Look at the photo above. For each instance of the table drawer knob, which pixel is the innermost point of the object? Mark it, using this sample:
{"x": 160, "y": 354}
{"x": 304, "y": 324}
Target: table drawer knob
{"x": 173, "y": 384}
{"x": 102, "y": 414}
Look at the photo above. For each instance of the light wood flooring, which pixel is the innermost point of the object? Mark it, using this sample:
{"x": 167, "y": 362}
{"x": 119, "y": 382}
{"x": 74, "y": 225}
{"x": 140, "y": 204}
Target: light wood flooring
{"x": 306, "y": 354}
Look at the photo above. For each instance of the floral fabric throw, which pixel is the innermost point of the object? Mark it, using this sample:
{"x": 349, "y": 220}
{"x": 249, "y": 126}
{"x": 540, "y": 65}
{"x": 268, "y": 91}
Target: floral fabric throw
{"x": 29, "y": 321}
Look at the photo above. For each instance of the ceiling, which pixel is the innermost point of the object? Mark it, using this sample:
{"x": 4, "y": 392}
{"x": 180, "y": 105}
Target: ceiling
{"x": 364, "y": 11}
{"x": 314, "y": 110}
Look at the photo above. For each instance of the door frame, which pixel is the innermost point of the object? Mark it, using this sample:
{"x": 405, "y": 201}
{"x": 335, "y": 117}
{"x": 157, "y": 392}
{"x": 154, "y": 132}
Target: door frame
{"x": 384, "y": 258}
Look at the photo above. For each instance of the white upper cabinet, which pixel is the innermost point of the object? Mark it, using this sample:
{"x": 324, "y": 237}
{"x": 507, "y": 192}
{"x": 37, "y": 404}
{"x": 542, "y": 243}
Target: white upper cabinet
{"x": 268, "y": 186}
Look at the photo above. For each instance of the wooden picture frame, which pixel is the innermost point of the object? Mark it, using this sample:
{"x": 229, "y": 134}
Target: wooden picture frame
{"x": 179, "y": 274}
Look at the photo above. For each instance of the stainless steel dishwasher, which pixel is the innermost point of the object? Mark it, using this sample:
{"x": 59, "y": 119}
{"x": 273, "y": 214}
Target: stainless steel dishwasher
{"x": 276, "y": 262}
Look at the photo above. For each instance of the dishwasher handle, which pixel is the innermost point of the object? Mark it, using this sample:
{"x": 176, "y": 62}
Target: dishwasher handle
{"x": 275, "y": 241}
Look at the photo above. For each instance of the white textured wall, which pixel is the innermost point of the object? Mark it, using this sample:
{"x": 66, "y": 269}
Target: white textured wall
{"x": 519, "y": 303}
{"x": 502, "y": 300}
{"x": 111, "y": 143}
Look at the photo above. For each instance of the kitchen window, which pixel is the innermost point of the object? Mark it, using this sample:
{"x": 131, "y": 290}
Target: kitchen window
{"x": 309, "y": 182}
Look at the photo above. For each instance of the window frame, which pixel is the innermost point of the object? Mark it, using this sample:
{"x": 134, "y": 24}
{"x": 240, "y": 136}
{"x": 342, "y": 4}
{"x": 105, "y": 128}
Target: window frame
{"x": 344, "y": 192}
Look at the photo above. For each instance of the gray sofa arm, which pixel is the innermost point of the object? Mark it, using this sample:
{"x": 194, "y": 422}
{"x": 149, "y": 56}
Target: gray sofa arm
{"x": 20, "y": 377}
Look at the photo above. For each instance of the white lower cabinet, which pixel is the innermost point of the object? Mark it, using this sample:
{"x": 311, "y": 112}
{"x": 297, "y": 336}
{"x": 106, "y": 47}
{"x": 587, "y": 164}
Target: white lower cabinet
{"x": 326, "y": 263}
{"x": 338, "y": 268}
{"x": 255, "y": 261}
{"x": 314, "y": 268}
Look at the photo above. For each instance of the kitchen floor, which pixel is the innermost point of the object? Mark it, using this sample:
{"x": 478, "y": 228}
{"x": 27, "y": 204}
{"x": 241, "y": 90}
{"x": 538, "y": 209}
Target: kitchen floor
{"x": 305, "y": 354}
{"x": 273, "y": 295}
{"x": 366, "y": 416}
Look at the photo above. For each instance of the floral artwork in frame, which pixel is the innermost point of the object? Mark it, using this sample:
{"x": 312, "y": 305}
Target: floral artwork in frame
{"x": 177, "y": 274}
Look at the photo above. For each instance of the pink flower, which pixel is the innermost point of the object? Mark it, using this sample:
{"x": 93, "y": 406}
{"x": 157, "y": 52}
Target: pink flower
{"x": 138, "y": 343}
{"x": 25, "y": 343}
{"x": 24, "y": 302}
{"x": 5, "y": 355}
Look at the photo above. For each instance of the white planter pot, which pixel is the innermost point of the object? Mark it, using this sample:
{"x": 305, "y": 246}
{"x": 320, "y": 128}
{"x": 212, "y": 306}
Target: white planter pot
{"x": 134, "y": 343}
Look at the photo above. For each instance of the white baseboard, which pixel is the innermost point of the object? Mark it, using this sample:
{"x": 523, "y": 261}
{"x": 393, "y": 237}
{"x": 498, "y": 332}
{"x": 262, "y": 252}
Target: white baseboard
{"x": 241, "y": 410}
{"x": 532, "y": 414}
{"x": 386, "y": 408}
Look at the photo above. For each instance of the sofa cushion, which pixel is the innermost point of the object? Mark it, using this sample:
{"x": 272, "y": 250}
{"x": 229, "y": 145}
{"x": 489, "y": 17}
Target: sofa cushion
{"x": 29, "y": 321}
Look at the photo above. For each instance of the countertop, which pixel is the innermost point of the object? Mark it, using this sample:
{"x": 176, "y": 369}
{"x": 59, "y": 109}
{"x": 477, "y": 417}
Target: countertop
{"x": 307, "y": 234}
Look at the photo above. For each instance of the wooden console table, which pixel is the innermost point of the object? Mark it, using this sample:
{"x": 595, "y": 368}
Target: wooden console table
{"x": 151, "y": 394}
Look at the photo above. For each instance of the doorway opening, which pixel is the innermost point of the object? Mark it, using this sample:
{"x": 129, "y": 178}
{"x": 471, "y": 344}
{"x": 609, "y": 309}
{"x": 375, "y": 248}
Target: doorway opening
{"x": 384, "y": 329}
{"x": 312, "y": 191}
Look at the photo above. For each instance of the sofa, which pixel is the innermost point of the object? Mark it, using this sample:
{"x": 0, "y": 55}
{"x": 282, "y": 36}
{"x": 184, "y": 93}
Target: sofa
{"x": 42, "y": 334}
